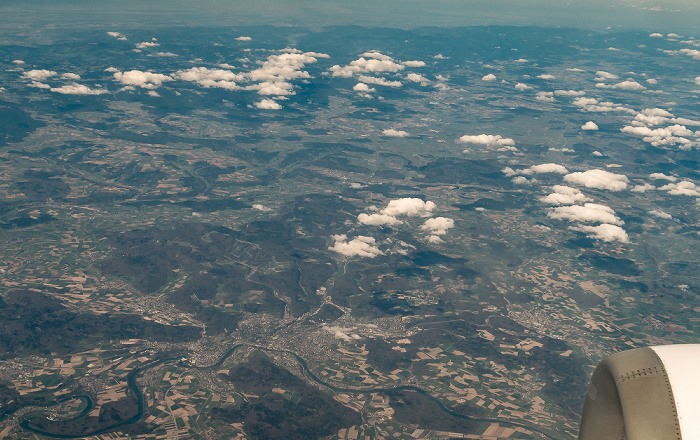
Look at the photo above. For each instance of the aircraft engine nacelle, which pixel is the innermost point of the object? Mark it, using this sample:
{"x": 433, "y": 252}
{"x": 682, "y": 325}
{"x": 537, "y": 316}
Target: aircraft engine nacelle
{"x": 648, "y": 393}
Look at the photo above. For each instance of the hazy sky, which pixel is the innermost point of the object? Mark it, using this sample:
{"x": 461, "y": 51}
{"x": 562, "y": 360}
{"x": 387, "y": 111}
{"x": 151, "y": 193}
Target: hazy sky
{"x": 645, "y": 15}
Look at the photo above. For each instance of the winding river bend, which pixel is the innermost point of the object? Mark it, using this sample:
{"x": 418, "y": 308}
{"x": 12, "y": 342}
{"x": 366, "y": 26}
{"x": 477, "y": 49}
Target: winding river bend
{"x": 133, "y": 386}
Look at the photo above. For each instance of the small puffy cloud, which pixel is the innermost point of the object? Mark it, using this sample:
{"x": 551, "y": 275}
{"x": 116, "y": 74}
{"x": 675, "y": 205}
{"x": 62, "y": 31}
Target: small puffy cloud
{"x": 697, "y": 80}
{"x": 39, "y": 74}
{"x": 341, "y": 332}
{"x": 438, "y": 225}
{"x": 206, "y": 77}
{"x": 77, "y": 89}
{"x": 521, "y": 86}
{"x": 604, "y": 232}
{"x": 662, "y": 176}
{"x": 261, "y": 208}
{"x": 117, "y": 35}
{"x": 593, "y": 105}
{"x": 587, "y": 213}
{"x": 590, "y": 125}
{"x": 599, "y": 179}
{"x": 624, "y": 85}
{"x": 111, "y": 69}
{"x": 652, "y": 81}
{"x": 683, "y": 188}
{"x": 363, "y": 88}
{"x": 414, "y": 77}
{"x": 377, "y": 219}
{"x": 545, "y": 96}
{"x": 521, "y": 60}
{"x": 545, "y": 76}
{"x": 597, "y": 153}
{"x": 268, "y": 104}
{"x": 361, "y": 246}
{"x": 374, "y": 62}
{"x": 242, "y": 38}
{"x": 602, "y": 75}
{"x": 145, "y": 44}
{"x": 146, "y": 80}
{"x": 671, "y": 135}
{"x": 39, "y": 85}
{"x": 18, "y": 62}
{"x": 409, "y": 206}
{"x": 379, "y": 81}
{"x": 487, "y": 139}
{"x": 153, "y": 93}
{"x": 564, "y": 195}
{"x": 549, "y": 168}
{"x": 656, "y": 35}
{"x": 521, "y": 180}
{"x": 395, "y": 133}
{"x": 163, "y": 54}
{"x": 73, "y": 76}
{"x": 414, "y": 63}
{"x": 569, "y": 93}
{"x": 642, "y": 188}
{"x": 441, "y": 57}
{"x": 615, "y": 49}
{"x": 660, "y": 214}
{"x": 489, "y": 77}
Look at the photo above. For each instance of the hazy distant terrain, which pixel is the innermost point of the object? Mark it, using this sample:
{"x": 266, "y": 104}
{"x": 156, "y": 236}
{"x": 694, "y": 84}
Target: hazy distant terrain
{"x": 337, "y": 231}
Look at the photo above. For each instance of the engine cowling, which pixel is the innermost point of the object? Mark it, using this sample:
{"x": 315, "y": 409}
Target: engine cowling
{"x": 650, "y": 393}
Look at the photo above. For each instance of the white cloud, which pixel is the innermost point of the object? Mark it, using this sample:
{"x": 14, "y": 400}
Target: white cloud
{"x": 697, "y": 80}
{"x": 395, "y": 133}
{"x": 39, "y": 85}
{"x": 409, "y": 206}
{"x": 414, "y": 77}
{"x": 624, "y": 85}
{"x": 546, "y": 76}
{"x": 521, "y": 86}
{"x": 73, "y": 76}
{"x": 18, "y": 62}
{"x": 414, "y": 63}
{"x": 568, "y": 93}
{"x": 549, "y": 168}
{"x": 146, "y": 44}
{"x": 487, "y": 139}
{"x": 375, "y": 62}
{"x": 521, "y": 60}
{"x": 593, "y": 105}
{"x": 77, "y": 89}
{"x": 521, "y": 180}
{"x": 39, "y": 74}
{"x": 268, "y": 104}
{"x": 656, "y": 35}
{"x": 441, "y": 57}
{"x": 206, "y": 77}
{"x": 590, "y": 125}
{"x": 438, "y": 225}
{"x": 600, "y": 179}
{"x": 588, "y": 213}
{"x": 671, "y": 135}
{"x": 377, "y": 219}
{"x": 564, "y": 195}
{"x": 684, "y": 188}
{"x": 117, "y": 35}
{"x": 662, "y": 176}
{"x": 242, "y": 38}
{"x": 602, "y": 75}
{"x": 364, "y": 88}
{"x": 652, "y": 81}
{"x": 661, "y": 214}
{"x": 489, "y": 77}
{"x": 597, "y": 153}
{"x": 604, "y": 232}
{"x": 146, "y": 80}
{"x": 153, "y": 93}
{"x": 341, "y": 332}
{"x": 262, "y": 208}
{"x": 361, "y": 246}
{"x": 545, "y": 96}
{"x": 613, "y": 49}
{"x": 163, "y": 54}
{"x": 379, "y": 81}
{"x": 642, "y": 188}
